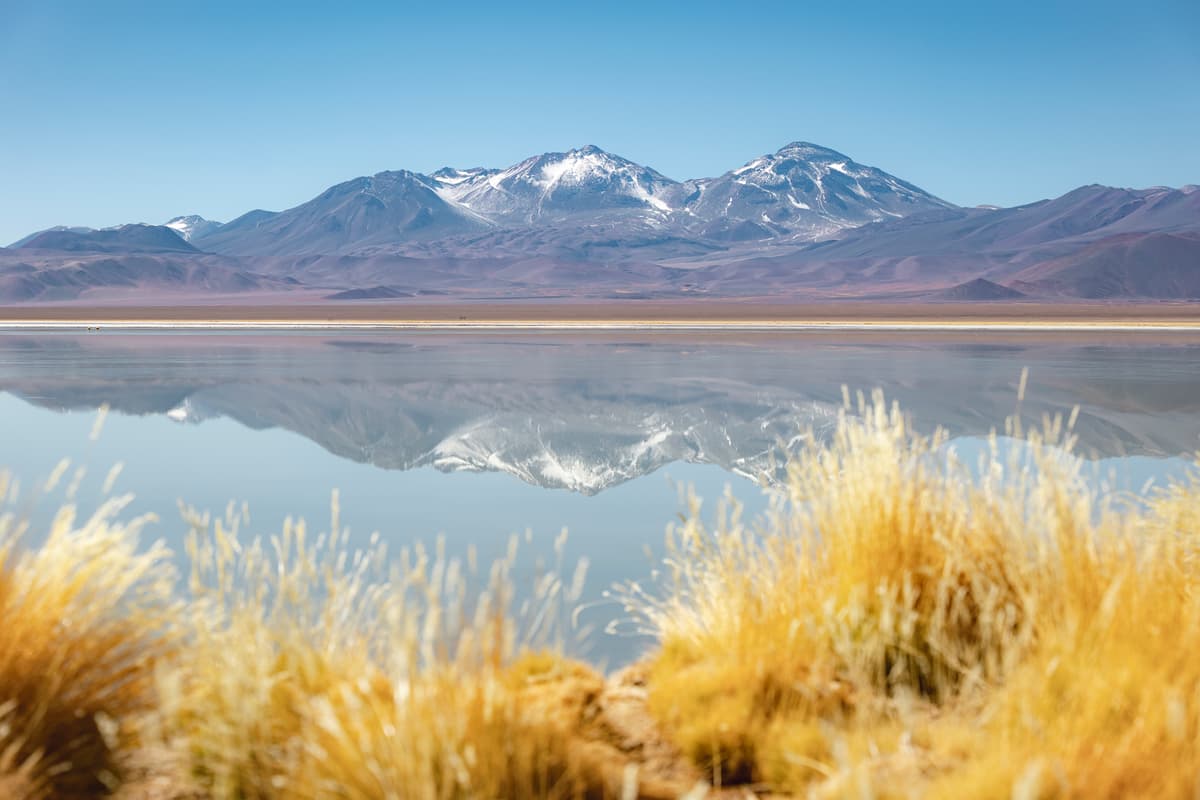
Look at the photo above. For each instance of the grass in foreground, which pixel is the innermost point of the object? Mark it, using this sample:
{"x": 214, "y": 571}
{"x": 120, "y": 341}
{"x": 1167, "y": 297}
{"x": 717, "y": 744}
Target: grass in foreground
{"x": 901, "y": 628}
{"x": 83, "y": 621}
{"x": 902, "y": 624}
{"x": 309, "y": 676}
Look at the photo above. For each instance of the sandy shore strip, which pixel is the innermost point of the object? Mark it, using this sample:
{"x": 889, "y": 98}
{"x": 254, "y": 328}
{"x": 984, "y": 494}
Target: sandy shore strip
{"x": 596, "y": 325}
{"x": 614, "y": 317}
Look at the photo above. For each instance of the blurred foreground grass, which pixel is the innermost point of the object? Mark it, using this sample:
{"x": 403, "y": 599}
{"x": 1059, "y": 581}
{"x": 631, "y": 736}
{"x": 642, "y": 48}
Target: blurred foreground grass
{"x": 901, "y": 624}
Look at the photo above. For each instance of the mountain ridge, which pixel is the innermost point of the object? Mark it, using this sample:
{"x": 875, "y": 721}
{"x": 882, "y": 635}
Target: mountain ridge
{"x": 806, "y": 221}
{"x": 591, "y": 184}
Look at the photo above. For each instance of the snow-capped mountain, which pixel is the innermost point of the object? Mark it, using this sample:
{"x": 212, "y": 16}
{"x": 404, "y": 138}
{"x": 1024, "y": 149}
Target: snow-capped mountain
{"x": 556, "y": 186}
{"x": 192, "y": 226}
{"x": 802, "y": 191}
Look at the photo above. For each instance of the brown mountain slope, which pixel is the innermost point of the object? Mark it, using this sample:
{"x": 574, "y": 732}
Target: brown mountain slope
{"x": 1151, "y": 265}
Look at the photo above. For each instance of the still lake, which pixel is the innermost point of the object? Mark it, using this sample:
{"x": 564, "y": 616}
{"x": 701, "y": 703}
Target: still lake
{"x": 474, "y": 437}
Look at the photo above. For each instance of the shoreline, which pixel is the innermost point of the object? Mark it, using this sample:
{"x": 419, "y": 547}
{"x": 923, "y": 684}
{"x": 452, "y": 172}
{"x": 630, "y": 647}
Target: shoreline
{"x": 629, "y": 316}
{"x": 600, "y": 326}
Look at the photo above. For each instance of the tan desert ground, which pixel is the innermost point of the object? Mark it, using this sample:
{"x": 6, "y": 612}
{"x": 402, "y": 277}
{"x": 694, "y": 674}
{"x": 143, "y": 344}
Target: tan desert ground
{"x": 750, "y": 313}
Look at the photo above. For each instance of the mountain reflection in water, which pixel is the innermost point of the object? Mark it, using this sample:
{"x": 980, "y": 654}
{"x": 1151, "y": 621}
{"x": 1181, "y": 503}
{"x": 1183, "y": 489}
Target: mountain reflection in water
{"x": 586, "y": 413}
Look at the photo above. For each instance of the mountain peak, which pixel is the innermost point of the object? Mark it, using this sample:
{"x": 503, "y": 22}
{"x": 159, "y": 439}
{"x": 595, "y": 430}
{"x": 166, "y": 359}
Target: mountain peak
{"x": 588, "y": 158}
{"x": 802, "y": 192}
{"x": 809, "y": 150}
{"x": 191, "y": 226}
{"x": 576, "y": 184}
{"x": 452, "y": 176}
{"x": 393, "y": 176}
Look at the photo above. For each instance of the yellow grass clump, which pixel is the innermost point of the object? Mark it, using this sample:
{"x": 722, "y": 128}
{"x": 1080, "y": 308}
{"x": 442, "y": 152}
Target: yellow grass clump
{"x": 905, "y": 624}
{"x": 309, "y": 675}
{"x": 292, "y": 668}
{"x": 84, "y": 618}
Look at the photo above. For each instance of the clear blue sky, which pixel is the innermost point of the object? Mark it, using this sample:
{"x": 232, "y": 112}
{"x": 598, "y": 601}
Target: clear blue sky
{"x": 137, "y": 111}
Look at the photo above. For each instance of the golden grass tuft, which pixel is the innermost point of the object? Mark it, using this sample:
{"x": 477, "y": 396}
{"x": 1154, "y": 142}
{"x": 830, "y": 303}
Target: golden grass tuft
{"x": 904, "y": 624}
{"x": 293, "y": 668}
{"x": 309, "y": 675}
{"x": 1108, "y": 705}
{"x": 83, "y": 620}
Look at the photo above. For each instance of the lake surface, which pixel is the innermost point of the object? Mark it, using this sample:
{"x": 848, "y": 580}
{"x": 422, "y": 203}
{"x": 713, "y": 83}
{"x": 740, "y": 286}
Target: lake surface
{"x": 476, "y": 437}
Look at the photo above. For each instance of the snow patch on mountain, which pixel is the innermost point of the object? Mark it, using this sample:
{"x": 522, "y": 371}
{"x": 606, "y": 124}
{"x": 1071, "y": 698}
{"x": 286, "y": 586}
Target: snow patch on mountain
{"x": 192, "y": 226}
{"x": 449, "y": 176}
{"x": 558, "y": 186}
{"x": 802, "y": 191}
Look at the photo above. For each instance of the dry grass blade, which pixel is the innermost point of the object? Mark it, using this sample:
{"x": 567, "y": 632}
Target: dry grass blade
{"x": 20, "y": 778}
{"x": 83, "y": 620}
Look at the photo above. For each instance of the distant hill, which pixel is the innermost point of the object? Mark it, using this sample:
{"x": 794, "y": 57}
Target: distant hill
{"x": 56, "y": 229}
{"x": 125, "y": 239}
{"x": 137, "y": 261}
{"x": 143, "y": 276}
{"x": 980, "y": 289}
{"x": 1164, "y": 266}
{"x": 371, "y": 293}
